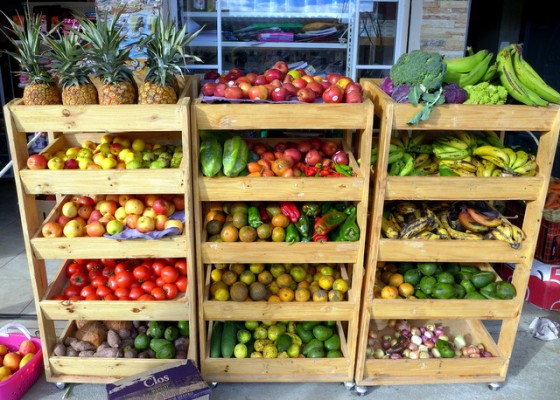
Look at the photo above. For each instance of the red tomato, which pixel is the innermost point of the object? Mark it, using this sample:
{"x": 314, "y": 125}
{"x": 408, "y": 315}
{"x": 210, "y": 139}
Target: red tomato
{"x": 93, "y": 297}
{"x": 71, "y": 291}
{"x": 160, "y": 281}
{"x": 136, "y": 292}
{"x": 124, "y": 279}
{"x": 146, "y": 297}
{"x": 73, "y": 268}
{"x": 112, "y": 282}
{"x": 170, "y": 290}
{"x": 81, "y": 261}
{"x": 158, "y": 293}
{"x": 109, "y": 262}
{"x": 103, "y": 291}
{"x": 79, "y": 279}
{"x": 108, "y": 271}
{"x": 122, "y": 293}
{"x": 142, "y": 273}
{"x": 99, "y": 281}
{"x": 169, "y": 261}
{"x": 157, "y": 266}
{"x": 181, "y": 265}
{"x": 148, "y": 286}
{"x": 88, "y": 290}
{"x": 182, "y": 283}
{"x": 94, "y": 273}
{"x": 169, "y": 274}
{"x": 94, "y": 265}
{"x": 110, "y": 297}
{"x": 121, "y": 267}
{"x": 75, "y": 298}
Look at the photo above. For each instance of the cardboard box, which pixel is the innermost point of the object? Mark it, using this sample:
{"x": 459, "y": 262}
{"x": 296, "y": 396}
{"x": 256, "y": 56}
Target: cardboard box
{"x": 180, "y": 381}
{"x": 543, "y": 290}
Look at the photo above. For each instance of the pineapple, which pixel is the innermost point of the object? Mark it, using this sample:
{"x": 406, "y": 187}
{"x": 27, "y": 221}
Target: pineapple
{"x": 68, "y": 54}
{"x": 108, "y": 58}
{"x": 41, "y": 88}
{"x": 165, "y": 56}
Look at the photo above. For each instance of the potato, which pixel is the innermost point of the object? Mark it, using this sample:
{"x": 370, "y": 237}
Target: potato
{"x": 86, "y": 353}
{"x": 130, "y": 353}
{"x": 68, "y": 341}
{"x": 124, "y": 333}
{"x": 108, "y": 352}
{"x": 82, "y": 345}
{"x": 113, "y": 339}
{"x": 70, "y": 352}
{"x": 60, "y": 350}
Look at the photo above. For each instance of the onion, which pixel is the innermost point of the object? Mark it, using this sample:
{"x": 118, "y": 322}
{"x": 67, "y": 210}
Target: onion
{"x": 406, "y": 353}
{"x": 487, "y": 354}
{"x": 393, "y": 342}
{"x": 438, "y": 331}
{"x": 417, "y": 340}
{"x": 369, "y": 352}
{"x": 422, "y": 330}
{"x": 304, "y": 146}
{"x": 372, "y": 341}
{"x": 414, "y": 355}
{"x": 428, "y": 335}
{"x": 443, "y": 337}
{"x": 459, "y": 342}
{"x": 379, "y": 353}
{"x": 340, "y": 157}
{"x": 430, "y": 327}
{"x": 312, "y": 157}
{"x": 436, "y": 353}
{"x": 403, "y": 324}
{"x": 424, "y": 354}
{"x": 415, "y": 331}
{"x": 386, "y": 344}
{"x": 395, "y": 356}
{"x": 406, "y": 333}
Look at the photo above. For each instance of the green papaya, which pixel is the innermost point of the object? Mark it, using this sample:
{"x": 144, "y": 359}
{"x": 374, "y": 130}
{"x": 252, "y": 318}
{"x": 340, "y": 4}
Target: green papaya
{"x": 211, "y": 154}
{"x": 235, "y": 156}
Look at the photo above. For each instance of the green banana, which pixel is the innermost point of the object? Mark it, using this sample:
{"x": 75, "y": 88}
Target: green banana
{"x": 415, "y": 140}
{"x": 395, "y": 155}
{"x": 396, "y": 167}
{"x": 397, "y": 142}
{"x": 422, "y": 159}
{"x": 493, "y": 139}
{"x": 451, "y": 141}
{"x": 444, "y": 170}
{"x": 405, "y": 138}
{"x": 467, "y": 63}
{"x": 491, "y": 73}
{"x": 467, "y": 137}
{"x": 512, "y": 155}
{"x": 511, "y": 82}
{"x": 447, "y": 153}
{"x": 521, "y": 159}
{"x": 493, "y": 154}
{"x": 451, "y": 76}
{"x": 421, "y": 149}
{"x": 531, "y": 79}
{"x": 408, "y": 166}
{"x": 477, "y": 73}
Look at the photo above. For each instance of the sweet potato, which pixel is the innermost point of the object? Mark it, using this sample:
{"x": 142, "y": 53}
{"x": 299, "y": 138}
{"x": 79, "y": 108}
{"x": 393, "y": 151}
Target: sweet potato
{"x": 118, "y": 325}
{"x": 113, "y": 339}
{"x": 93, "y": 331}
{"x": 60, "y": 350}
{"x": 86, "y": 353}
{"x": 70, "y": 352}
{"x": 82, "y": 345}
{"x": 107, "y": 352}
{"x": 124, "y": 333}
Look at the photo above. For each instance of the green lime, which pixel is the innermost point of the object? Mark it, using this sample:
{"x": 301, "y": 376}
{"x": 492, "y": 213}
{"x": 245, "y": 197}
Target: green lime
{"x": 443, "y": 290}
{"x": 445, "y": 277}
{"x": 412, "y": 276}
{"x": 426, "y": 284}
{"x": 427, "y": 268}
{"x": 405, "y": 266}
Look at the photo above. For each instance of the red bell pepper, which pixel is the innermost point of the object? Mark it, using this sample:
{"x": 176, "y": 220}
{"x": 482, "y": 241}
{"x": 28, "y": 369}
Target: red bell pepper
{"x": 320, "y": 238}
{"x": 290, "y": 210}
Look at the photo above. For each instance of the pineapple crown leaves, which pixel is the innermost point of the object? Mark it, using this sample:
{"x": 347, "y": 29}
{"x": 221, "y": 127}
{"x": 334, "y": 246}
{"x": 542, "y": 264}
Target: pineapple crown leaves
{"x": 69, "y": 63}
{"x": 105, "y": 49}
{"x": 27, "y": 43}
{"x": 165, "y": 50}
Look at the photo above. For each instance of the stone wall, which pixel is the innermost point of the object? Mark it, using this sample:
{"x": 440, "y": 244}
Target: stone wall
{"x": 444, "y": 26}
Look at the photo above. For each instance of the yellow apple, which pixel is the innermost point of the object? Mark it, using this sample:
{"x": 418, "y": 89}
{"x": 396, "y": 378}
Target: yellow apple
{"x": 138, "y": 145}
{"x": 26, "y": 358}
{"x": 174, "y": 223}
{"x": 108, "y": 163}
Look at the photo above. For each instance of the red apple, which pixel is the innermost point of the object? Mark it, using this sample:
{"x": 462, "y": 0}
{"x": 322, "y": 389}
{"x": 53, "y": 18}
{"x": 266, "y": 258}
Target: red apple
{"x": 145, "y": 224}
{"x": 160, "y": 222}
{"x": 279, "y": 94}
{"x": 37, "y": 161}
{"x": 292, "y": 90}
{"x": 316, "y": 87}
{"x": 94, "y": 216}
{"x": 131, "y": 221}
{"x": 242, "y": 79}
{"x": 304, "y": 146}
{"x": 276, "y": 83}
{"x": 272, "y": 74}
{"x": 333, "y": 77}
{"x": 295, "y": 154}
{"x": 306, "y": 95}
{"x": 233, "y": 92}
{"x": 150, "y": 198}
{"x": 252, "y": 77}
{"x": 211, "y": 75}
{"x": 219, "y": 90}
{"x": 95, "y": 229}
{"x": 208, "y": 88}
{"x": 85, "y": 211}
{"x": 260, "y": 80}
{"x": 63, "y": 220}
{"x": 245, "y": 86}
{"x": 106, "y": 218}
{"x": 72, "y": 229}
{"x": 353, "y": 97}
{"x": 343, "y": 82}
{"x": 161, "y": 206}
{"x": 86, "y": 200}
{"x": 315, "y": 143}
{"x": 308, "y": 78}
{"x": 71, "y": 163}
{"x": 333, "y": 94}
{"x": 258, "y": 92}
{"x": 281, "y": 66}
{"x": 107, "y": 207}
{"x": 299, "y": 83}
{"x": 353, "y": 87}
{"x": 313, "y": 157}
{"x": 260, "y": 148}
{"x": 329, "y": 147}
{"x": 51, "y": 229}
{"x": 179, "y": 202}
{"x": 236, "y": 72}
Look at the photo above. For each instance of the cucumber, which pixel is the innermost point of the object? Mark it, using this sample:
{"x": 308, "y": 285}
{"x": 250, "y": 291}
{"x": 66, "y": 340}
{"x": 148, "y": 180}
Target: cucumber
{"x": 210, "y": 157}
{"x": 216, "y": 341}
{"x": 229, "y": 339}
{"x": 235, "y": 156}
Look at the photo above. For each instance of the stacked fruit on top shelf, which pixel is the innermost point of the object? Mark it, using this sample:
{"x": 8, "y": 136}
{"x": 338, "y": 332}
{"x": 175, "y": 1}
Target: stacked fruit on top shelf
{"x": 458, "y": 153}
{"x": 279, "y": 84}
{"x": 460, "y": 220}
{"x": 102, "y": 44}
{"x": 322, "y": 157}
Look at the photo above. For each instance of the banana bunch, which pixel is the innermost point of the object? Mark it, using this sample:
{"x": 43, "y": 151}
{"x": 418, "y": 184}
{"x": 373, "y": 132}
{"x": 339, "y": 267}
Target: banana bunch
{"x": 508, "y": 160}
{"x": 471, "y": 69}
{"x": 470, "y": 220}
{"x": 521, "y": 81}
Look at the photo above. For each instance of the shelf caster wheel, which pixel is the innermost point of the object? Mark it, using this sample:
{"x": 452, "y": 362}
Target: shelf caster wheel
{"x": 349, "y": 385}
{"x": 213, "y": 384}
{"x": 361, "y": 390}
{"x": 494, "y": 386}
{"x": 60, "y": 385}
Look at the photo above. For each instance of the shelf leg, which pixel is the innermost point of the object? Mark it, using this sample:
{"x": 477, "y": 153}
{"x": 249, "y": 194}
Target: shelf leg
{"x": 361, "y": 390}
{"x": 349, "y": 385}
{"x": 495, "y": 386}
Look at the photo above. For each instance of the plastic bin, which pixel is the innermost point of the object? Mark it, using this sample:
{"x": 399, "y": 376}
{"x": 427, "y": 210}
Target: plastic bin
{"x": 15, "y": 387}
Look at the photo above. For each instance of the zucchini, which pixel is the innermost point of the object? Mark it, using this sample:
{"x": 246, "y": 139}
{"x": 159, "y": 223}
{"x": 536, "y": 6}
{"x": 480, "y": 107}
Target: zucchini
{"x": 216, "y": 341}
{"x": 229, "y": 339}
{"x": 235, "y": 156}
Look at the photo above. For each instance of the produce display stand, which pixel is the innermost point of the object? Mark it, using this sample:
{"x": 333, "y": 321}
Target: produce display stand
{"x": 461, "y": 316}
{"x": 355, "y": 120}
{"x": 68, "y": 126}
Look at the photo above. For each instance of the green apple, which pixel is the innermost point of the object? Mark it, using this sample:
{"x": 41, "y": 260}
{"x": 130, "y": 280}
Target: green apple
{"x": 134, "y": 164}
{"x": 55, "y": 163}
{"x": 114, "y": 226}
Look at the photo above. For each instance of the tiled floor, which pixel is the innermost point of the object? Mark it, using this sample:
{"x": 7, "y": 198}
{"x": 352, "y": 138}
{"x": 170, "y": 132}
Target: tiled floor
{"x": 532, "y": 374}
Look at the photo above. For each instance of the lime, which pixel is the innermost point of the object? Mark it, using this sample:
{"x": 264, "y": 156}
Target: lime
{"x": 427, "y": 268}
{"x": 412, "y": 276}
{"x": 445, "y": 277}
{"x": 426, "y": 284}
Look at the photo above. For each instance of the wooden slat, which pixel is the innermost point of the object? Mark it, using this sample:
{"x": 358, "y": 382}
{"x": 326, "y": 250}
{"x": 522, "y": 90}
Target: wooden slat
{"x": 464, "y": 188}
{"x": 281, "y": 116}
{"x": 239, "y": 252}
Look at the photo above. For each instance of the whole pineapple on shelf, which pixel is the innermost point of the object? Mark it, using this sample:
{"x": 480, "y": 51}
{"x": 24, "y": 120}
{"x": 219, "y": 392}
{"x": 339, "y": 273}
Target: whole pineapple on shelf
{"x": 165, "y": 51}
{"x": 70, "y": 66}
{"x": 27, "y": 41}
{"x": 108, "y": 57}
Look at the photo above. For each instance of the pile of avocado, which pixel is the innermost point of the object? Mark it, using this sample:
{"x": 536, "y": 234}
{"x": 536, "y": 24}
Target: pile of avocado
{"x": 161, "y": 336}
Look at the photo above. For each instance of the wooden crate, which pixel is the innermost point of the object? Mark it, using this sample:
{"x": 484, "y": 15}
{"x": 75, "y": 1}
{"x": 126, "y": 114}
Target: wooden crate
{"x": 99, "y": 370}
{"x": 392, "y": 116}
{"x": 280, "y": 369}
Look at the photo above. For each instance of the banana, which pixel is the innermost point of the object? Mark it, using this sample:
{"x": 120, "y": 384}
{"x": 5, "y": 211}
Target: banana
{"x": 497, "y": 172}
{"x": 491, "y": 73}
{"x": 455, "y": 234}
{"x": 439, "y": 228}
{"x": 422, "y": 159}
{"x": 459, "y": 164}
{"x": 477, "y": 73}
{"x": 517, "y": 234}
{"x": 529, "y": 168}
{"x": 389, "y": 230}
{"x": 395, "y": 154}
{"x": 493, "y": 139}
{"x": 405, "y": 138}
{"x": 415, "y": 140}
{"x": 467, "y": 137}
{"x": 511, "y": 82}
{"x": 444, "y": 170}
{"x": 485, "y": 168}
{"x": 397, "y": 220}
{"x": 521, "y": 158}
{"x": 374, "y": 155}
{"x": 509, "y": 233}
{"x": 421, "y": 149}
{"x": 427, "y": 235}
{"x": 493, "y": 154}
{"x": 429, "y": 169}
{"x": 444, "y": 153}
{"x": 470, "y": 223}
{"x": 395, "y": 168}
{"x": 397, "y": 142}
{"x": 451, "y": 76}
{"x": 405, "y": 207}
{"x": 512, "y": 155}
{"x": 531, "y": 79}
{"x": 467, "y": 63}
{"x": 416, "y": 226}
{"x": 462, "y": 172}
{"x": 451, "y": 141}
{"x": 489, "y": 219}
{"x": 408, "y": 166}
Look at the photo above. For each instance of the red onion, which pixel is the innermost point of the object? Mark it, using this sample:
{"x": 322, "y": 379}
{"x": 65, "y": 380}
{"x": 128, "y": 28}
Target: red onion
{"x": 487, "y": 354}
{"x": 312, "y": 157}
{"x": 340, "y": 157}
{"x": 438, "y": 331}
{"x": 395, "y": 356}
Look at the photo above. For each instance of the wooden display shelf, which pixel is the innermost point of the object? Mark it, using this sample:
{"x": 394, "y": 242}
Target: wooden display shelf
{"x": 167, "y": 310}
{"x": 99, "y": 370}
{"x": 281, "y": 369}
{"x": 112, "y": 181}
{"x": 438, "y": 370}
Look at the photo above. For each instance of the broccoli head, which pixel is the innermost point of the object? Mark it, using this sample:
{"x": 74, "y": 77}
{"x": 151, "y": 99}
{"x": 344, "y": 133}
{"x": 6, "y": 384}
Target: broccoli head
{"x": 419, "y": 68}
{"x": 486, "y": 93}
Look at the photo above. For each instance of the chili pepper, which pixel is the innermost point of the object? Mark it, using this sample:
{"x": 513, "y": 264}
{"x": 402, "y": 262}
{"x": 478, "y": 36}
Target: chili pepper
{"x": 320, "y": 238}
{"x": 340, "y": 206}
{"x": 349, "y": 230}
{"x": 445, "y": 349}
{"x": 349, "y": 209}
{"x": 303, "y": 225}
{"x": 254, "y": 217}
{"x": 311, "y": 209}
{"x": 263, "y": 214}
{"x": 329, "y": 221}
{"x": 343, "y": 169}
{"x": 292, "y": 234}
{"x": 323, "y": 173}
{"x": 290, "y": 210}
{"x": 326, "y": 207}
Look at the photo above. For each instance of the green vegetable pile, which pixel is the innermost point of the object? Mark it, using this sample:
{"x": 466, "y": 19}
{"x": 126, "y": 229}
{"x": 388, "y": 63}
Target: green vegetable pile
{"x": 425, "y": 72}
{"x": 486, "y": 93}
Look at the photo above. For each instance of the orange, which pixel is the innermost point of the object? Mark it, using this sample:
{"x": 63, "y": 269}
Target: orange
{"x": 229, "y": 233}
{"x": 216, "y": 215}
{"x": 247, "y": 234}
{"x": 335, "y": 295}
{"x": 320, "y": 295}
{"x": 302, "y": 294}
{"x": 286, "y": 294}
{"x": 278, "y": 234}
{"x": 229, "y": 277}
{"x": 280, "y": 220}
{"x": 396, "y": 279}
{"x": 326, "y": 282}
{"x": 389, "y": 292}
{"x": 217, "y": 206}
{"x": 274, "y": 299}
{"x": 406, "y": 289}
{"x": 284, "y": 280}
